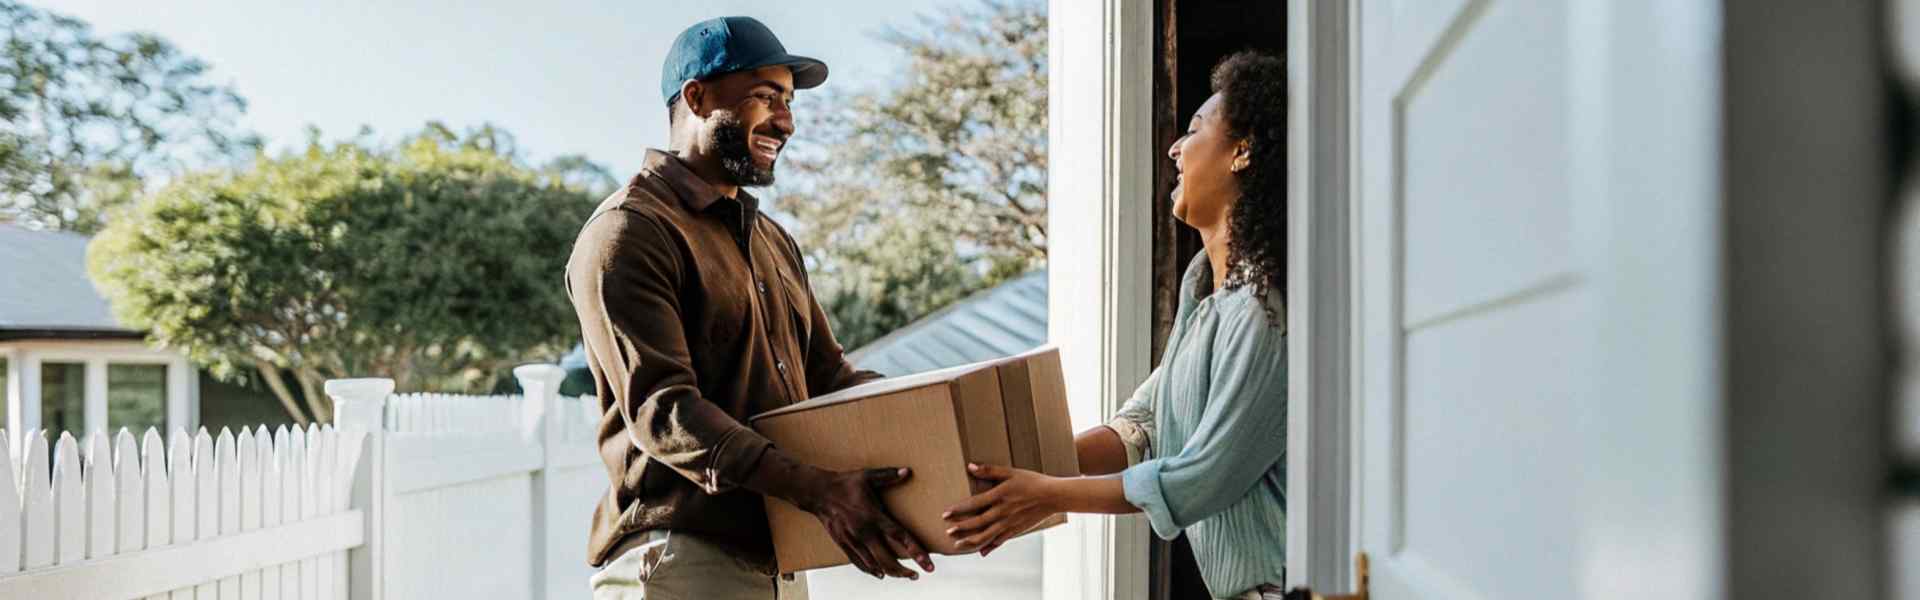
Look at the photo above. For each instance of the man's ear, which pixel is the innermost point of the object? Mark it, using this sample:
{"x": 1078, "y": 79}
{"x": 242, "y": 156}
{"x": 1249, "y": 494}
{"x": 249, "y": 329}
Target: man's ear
{"x": 694, "y": 94}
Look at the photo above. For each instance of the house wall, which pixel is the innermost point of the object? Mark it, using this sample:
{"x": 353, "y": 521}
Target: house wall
{"x": 236, "y": 405}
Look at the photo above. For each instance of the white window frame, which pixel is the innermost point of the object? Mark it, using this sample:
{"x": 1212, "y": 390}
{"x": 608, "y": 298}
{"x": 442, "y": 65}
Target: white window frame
{"x": 23, "y": 382}
{"x": 1100, "y": 214}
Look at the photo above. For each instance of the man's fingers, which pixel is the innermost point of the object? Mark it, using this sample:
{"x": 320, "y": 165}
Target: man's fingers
{"x": 884, "y": 478}
{"x": 888, "y": 561}
{"x": 906, "y": 547}
{"x": 857, "y": 553}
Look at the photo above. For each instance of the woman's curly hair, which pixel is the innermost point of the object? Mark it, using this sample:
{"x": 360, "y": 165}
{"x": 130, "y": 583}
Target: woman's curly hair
{"x": 1253, "y": 89}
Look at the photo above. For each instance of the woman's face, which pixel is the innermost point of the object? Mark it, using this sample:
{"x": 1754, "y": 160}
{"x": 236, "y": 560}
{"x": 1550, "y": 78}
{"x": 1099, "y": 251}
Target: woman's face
{"x": 1203, "y": 160}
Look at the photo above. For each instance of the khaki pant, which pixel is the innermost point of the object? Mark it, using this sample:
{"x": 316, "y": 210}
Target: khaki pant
{"x": 661, "y": 565}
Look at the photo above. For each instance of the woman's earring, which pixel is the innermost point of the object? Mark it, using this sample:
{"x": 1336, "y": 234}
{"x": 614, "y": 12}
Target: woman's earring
{"x": 1239, "y": 164}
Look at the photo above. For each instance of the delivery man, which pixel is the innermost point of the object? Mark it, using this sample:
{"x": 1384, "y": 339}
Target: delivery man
{"x": 696, "y": 313}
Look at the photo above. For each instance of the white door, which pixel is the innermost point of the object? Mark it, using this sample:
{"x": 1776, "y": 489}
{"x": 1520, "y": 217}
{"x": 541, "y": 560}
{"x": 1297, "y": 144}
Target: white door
{"x": 1537, "y": 202}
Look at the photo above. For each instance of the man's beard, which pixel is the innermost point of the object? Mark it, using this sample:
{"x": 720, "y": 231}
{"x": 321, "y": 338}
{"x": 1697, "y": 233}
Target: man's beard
{"x": 729, "y": 139}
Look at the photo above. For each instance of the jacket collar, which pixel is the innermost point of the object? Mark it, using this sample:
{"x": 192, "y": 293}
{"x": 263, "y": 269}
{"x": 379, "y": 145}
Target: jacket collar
{"x": 695, "y": 193}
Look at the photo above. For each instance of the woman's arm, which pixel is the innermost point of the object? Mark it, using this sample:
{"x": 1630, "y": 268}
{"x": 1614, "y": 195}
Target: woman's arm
{"x": 1101, "y": 451}
{"x": 1021, "y": 499}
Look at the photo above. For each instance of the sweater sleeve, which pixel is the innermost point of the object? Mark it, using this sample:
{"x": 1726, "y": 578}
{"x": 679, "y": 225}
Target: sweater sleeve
{"x": 1241, "y": 433}
{"x": 1134, "y": 422}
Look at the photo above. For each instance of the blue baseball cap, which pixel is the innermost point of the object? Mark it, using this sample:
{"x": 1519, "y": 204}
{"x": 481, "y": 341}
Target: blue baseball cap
{"x": 729, "y": 44}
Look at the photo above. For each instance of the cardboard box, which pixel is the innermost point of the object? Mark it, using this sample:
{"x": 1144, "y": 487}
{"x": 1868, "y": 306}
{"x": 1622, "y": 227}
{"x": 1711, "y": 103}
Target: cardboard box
{"x": 1009, "y": 412}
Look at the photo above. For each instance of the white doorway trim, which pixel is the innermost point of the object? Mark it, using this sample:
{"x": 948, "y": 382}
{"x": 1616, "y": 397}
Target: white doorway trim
{"x": 1319, "y": 296}
{"x": 1099, "y": 180}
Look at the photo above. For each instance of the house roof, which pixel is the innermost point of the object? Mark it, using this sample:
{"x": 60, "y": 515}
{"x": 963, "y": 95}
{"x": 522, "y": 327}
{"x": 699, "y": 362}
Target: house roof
{"x": 44, "y": 289}
{"x": 1001, "y": 321}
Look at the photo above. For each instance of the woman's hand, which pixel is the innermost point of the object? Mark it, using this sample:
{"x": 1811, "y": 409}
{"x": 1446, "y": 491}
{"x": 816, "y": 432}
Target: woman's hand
{"x": 1020, "y": 500}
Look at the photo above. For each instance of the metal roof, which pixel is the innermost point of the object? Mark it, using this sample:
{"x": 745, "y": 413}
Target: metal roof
{"x": 44, "y": 286}
{"x": 1001, "y": 321}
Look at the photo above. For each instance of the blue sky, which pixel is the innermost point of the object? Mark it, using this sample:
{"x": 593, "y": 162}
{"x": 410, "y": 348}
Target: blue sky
{"x": 565, "y": 76}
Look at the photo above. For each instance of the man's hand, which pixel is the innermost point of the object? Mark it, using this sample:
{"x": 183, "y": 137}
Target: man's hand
{"x": 848, "y": 503}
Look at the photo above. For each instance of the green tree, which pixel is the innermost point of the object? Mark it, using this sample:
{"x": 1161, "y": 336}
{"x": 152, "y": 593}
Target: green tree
{"x": 916, "y": 194}
{"x": 435, "y": 262}
{"x": 87, "y": 118}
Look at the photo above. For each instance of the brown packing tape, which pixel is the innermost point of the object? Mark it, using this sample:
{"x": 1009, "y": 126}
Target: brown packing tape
{"x": 1057, "y": 455}
{"x": 982, "y": 420}
{"x": 1023, "y": 431}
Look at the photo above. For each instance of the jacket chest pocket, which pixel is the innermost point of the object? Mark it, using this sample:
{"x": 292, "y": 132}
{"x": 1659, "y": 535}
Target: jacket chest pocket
{"x": 781, "y": 289}
{"x": 792, "y": 293}
{"x": 725, "y": 309}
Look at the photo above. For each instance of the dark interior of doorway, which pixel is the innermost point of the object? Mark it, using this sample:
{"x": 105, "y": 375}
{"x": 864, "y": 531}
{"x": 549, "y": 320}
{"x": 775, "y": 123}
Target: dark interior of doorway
{"x": 1190, "y": 37}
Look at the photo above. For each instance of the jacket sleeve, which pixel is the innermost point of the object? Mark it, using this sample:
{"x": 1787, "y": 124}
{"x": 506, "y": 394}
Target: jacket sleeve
{"x": 624, "y": 279}
{"x": 1241, "y": 433}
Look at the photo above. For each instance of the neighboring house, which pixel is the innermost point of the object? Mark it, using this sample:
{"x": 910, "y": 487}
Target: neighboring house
{"x": 67, "y": 365}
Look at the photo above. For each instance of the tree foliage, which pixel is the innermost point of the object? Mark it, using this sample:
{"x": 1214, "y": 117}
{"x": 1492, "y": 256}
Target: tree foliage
{"x": 914, "y": 195}
{"x": 87, "y": 118}
{"x": 435, "y": 262}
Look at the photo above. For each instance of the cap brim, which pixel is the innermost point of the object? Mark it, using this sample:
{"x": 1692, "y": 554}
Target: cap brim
{"x": 807, "y": 72}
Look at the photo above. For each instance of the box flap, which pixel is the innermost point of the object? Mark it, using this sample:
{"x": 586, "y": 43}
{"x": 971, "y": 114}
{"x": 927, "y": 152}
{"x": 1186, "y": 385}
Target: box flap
{"x": 876, "y": 388}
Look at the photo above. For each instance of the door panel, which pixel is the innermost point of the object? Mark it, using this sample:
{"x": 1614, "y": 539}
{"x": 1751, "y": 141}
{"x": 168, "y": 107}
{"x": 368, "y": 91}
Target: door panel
{"x": 1483, "y": 150}
{"x": 1486, "y": 455}
{"x": 1414, "y": 24}
{"x": 1497, "y": 277}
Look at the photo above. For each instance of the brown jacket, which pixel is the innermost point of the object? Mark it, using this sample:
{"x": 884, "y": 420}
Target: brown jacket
{"x": 696, "y": 314}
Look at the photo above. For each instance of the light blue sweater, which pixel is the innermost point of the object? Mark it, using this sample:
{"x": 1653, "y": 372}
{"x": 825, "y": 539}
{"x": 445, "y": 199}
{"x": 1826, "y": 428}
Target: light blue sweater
{"x": 1211, "y": 426}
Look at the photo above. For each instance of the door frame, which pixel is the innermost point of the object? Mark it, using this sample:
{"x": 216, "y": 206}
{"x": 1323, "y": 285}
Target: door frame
{"x": 1100, "y": 272}
{"x": 1320, "y": 310}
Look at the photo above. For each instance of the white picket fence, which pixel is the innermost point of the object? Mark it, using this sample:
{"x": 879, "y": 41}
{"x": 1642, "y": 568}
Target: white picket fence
{"x": 258, "y": 515}
{"x": 460, "y": 497}
{"x": 474, "y": 497}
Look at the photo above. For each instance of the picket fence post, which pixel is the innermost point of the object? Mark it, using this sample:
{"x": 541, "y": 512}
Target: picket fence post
{"x": 540, "y": 393}
{"x": 359, "y": 405}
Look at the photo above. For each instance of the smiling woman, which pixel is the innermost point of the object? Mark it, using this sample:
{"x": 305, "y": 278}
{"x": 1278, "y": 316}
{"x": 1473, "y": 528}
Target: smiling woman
{"x": 1201, "y": 457}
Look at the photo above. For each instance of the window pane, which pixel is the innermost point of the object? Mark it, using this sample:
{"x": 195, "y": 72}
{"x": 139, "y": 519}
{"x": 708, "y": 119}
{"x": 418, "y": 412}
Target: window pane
{"x": 136, "y": 397}
{"x": 63, "y": 399}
